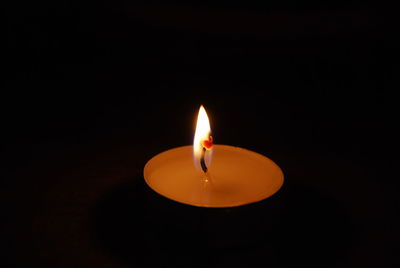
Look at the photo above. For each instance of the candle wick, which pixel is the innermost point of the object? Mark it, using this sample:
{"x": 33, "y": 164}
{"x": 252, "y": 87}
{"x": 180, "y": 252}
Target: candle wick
{"x": 202, "y": 160}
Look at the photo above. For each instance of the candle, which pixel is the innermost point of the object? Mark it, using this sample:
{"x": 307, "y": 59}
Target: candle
{"x": 209, "y": 175}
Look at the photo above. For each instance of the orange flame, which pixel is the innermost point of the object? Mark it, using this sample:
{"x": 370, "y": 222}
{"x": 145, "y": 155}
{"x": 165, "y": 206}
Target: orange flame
{"x": 203, "y": 141}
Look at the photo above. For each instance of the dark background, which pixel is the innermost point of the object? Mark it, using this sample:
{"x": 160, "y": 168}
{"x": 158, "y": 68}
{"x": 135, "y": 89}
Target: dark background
{"x": 92, "y": 90}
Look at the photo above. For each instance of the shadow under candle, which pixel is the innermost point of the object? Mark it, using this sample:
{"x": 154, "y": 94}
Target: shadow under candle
{"x": 297, "y": 226}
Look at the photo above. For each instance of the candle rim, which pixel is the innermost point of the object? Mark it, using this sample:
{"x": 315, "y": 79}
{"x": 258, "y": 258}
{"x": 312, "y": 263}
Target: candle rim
{"x": 278, "y": 185}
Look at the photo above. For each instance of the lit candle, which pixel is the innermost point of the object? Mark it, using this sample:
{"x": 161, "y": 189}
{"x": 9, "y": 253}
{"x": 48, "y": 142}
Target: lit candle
{"x": 210, "y": 175}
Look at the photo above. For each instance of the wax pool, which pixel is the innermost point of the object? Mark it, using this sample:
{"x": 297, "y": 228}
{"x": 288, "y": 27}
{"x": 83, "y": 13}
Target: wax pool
{"x": 236, "y": 177}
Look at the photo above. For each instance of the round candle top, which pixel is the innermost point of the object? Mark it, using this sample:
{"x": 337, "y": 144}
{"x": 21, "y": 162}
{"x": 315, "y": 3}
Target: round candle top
{"x": 236, "y": 177}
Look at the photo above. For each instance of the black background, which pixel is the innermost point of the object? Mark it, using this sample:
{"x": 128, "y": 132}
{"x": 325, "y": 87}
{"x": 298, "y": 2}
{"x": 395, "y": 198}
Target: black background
{"x": 99, "y": 87}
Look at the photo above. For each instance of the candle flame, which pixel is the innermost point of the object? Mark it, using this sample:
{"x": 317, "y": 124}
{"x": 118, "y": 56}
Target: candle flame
{"x": 203, "y": 142}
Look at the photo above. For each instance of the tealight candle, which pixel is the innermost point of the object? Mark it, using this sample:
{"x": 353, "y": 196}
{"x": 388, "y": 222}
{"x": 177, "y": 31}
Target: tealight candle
{"x": 209, "y": 175}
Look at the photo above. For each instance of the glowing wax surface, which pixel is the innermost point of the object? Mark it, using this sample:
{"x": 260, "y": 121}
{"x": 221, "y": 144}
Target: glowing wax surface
{"x": 236, "y": 177}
